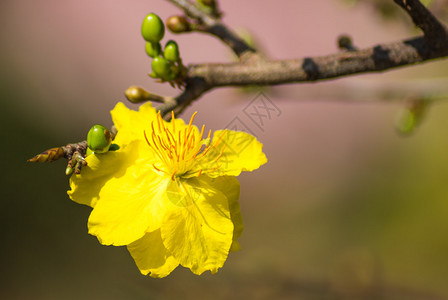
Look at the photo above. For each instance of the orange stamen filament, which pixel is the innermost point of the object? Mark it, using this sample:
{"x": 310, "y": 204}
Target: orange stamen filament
{"x": 180, "y": 149}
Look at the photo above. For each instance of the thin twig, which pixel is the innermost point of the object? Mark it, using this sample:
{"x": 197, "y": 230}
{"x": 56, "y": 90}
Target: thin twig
{"x": 213, "y": 26}
{"x": 194, "y": 12}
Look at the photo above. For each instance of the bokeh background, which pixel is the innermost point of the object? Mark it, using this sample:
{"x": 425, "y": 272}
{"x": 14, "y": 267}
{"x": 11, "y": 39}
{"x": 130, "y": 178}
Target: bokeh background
{"x": 346, "y": 208}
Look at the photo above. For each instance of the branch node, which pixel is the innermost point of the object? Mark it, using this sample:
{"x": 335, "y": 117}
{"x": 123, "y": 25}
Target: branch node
{"x": 436, "y": 34}
{"x": 311, "y": 69}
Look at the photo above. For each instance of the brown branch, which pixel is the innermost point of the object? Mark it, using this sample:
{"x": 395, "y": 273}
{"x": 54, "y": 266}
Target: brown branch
{"x": 194, "y": 89}
{"x": 75, "y": 154}
{"x": 54, "y": 154}
{"x": 436, "y": 34}
{"x": 204, "y": 77}
{"x": 378, "y": 58}
{"x": 211, "y": 25}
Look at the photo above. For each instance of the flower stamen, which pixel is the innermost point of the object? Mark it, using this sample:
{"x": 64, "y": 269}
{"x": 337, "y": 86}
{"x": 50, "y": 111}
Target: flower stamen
{"x": 180, "y": 149}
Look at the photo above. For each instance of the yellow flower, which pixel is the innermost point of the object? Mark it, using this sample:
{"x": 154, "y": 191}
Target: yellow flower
{"x": 168, "y": 194}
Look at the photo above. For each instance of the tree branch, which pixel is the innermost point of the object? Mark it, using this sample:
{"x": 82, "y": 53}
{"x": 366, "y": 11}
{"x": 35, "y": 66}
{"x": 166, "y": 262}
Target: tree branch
{"x": 259, "y": 71}
{"x": 436, "y": 34}
{"x": 211, "y": 25}
{"x": 378, "y": 58}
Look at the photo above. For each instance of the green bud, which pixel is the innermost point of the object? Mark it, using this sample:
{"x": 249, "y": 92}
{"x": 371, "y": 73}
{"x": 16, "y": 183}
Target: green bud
{"x": 99, "y": 139}
{"x": 153, "y": 29}
{"x": 406, "y": 121}
{"x": 161, "y": 67}
{"x": 171, "y": 52}
{"x": 411, "y": 116}
{"x": 178, "y": 24}
{"x": 153, "y": 49}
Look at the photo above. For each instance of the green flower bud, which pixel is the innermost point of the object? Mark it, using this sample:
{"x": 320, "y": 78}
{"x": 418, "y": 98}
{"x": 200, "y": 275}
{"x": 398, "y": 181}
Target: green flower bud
{"x": 153, "y": 49}
{"x": 153, "y": 29}
{"x": 178, "y": 24}
{"x": 161, "y": 67}
{"x": 99, "y": 139}
{"x": 171, "y": 52}
{"x": 411, "y": 116}
{"x": 405, "y": 122}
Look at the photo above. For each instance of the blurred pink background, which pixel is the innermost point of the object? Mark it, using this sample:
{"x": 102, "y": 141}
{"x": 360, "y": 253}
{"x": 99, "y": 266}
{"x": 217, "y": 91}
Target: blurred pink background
{"x": 343, "y": 205}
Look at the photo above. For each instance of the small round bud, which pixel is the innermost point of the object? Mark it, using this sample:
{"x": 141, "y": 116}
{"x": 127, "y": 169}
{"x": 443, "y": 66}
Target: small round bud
{"x": 99, "y": 139}
{"x": 137, "y": 94}
{"x": 153, "y": 29}
{"x": 161, "y": 67}
{"x": 178, "y": 24}
{"x": 153, "y": 49}
{"x": 171, "y": 52}
{"x": 345, "y": 43}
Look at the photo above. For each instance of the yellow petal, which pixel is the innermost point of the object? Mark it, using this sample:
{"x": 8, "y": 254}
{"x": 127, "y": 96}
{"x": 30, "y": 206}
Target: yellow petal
{"x": 101, "y": 168}
{"x": 130, "y": 123}
{"x": 230, "y": 187}
{"x": 151, "y": 256}
{"x": 236, "y": 151}
{"x": 125, "y": 118}
{"x": 197, "y": 229}
{"x": 129, "y": 205}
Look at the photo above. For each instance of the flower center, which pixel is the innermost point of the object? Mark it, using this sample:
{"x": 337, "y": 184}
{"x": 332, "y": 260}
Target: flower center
{"x": 180, "y": 150}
